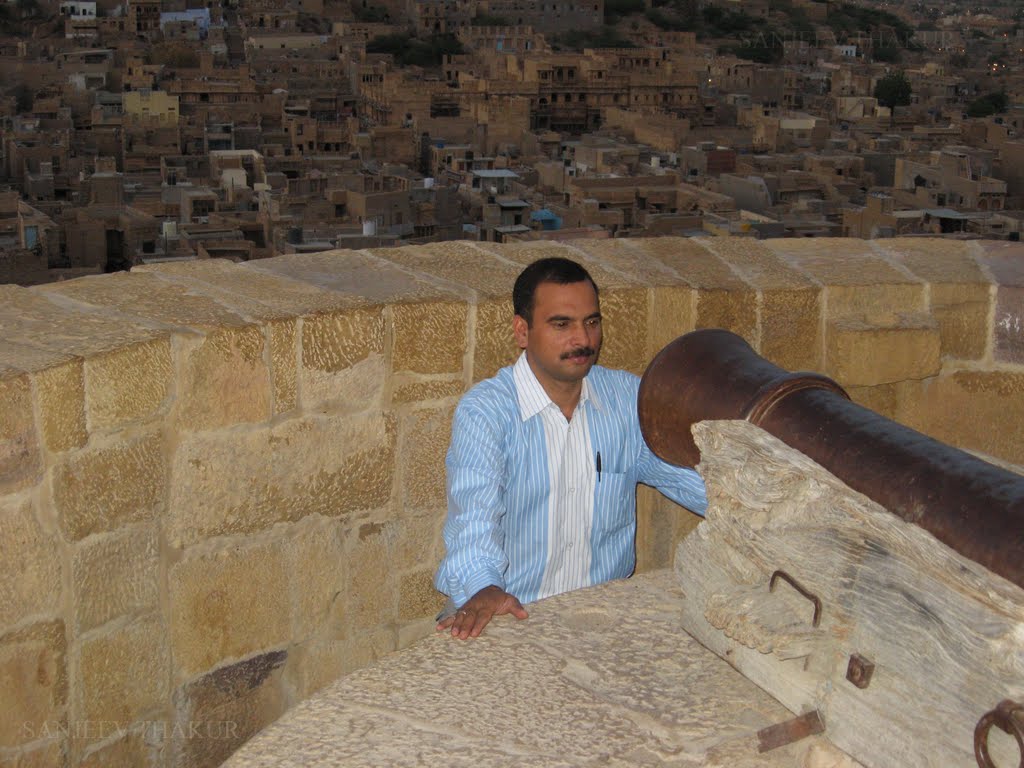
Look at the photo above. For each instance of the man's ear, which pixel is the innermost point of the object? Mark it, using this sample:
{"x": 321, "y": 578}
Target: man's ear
{"x": 520, "y": 331}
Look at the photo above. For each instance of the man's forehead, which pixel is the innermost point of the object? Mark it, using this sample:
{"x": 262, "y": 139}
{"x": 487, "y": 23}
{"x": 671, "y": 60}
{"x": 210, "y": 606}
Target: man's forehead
{"x": 552, "y": 295}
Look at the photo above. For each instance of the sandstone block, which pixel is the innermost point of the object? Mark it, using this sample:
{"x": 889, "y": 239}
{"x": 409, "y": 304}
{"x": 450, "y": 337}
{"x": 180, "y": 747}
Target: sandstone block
{"x": 961, "y": 409}
{"x": 1009, "y": 325}
{"x": 217, "y": 713}
{"x": 313, "y": 665}
{"x": 624, "y": 319}
{"x": 417, "y": 540}
{"x": 343, "y": 358}
{"x": 115, "y": 575}
{"x": 33, "y": 683}
{"x": 315, "y": 562}
{"x": 733, "y": 309}
{"x": 458, "y": 262}
{"x": 104, "y": 488}
{"x": 30, "y": 568}
{"x": 226, "y": 380}
{"x": 425, "y": 437}
{"x": 136, "y": 749}
{"x": 372, "y": 583}
{"x": 673, "y": 312}
{"x": 405, "y": 391}
{"x": 51, "y": 755}
{"x": 416, "y": 630}
{"x": 962, "y": 312}
{"x": 791, "y": 328}
{"x": 122, "y": 674}
{"x": 127, "y": 384}
{"x": 228, "y": 604}
{"x": 660, "y": 525}
{"x": 881, "y": 399}
{"x": 1005, "y": 262}
{"x": 241, "y": 482}
{"x": 20, "y": 461}
{"x": 859, "y": 354}
{"x": 61, "y": 393}
{"x": 284, "y": 364}
{"x": 494, "y": 346}
{"x": 417, "y": 598}
{"x": 429, "y": 337}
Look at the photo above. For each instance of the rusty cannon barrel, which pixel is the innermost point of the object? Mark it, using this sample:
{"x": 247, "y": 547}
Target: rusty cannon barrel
{"x": 966, "y": 503}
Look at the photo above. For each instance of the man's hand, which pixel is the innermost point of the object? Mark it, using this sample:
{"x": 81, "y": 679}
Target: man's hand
{"x": 470, "y": 619}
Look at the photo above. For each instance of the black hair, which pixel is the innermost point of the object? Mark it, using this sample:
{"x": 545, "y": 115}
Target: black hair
{"x": 551, "y": 270}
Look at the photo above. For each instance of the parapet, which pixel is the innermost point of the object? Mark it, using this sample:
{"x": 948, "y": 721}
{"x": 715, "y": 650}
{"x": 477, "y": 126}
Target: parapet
{"x": 221, "y": 485}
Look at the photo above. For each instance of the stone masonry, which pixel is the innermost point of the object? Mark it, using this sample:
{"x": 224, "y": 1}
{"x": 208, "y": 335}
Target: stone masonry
{"x": 222, "y": 486}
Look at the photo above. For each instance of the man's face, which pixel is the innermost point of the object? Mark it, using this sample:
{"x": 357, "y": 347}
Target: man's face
{"x": 564, "y": 339}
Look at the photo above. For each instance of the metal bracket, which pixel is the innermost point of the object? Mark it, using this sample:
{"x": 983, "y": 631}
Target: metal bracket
{"x": 806, "y": 593}
{"x": 775, "y": 736}
{"x": 1009, "y": 717}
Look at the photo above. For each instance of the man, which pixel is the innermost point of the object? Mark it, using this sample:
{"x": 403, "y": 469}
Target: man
{"x": 544, "y": 462}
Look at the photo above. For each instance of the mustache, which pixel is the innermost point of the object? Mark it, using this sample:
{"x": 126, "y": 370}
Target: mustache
{"x": 579, "y": 352}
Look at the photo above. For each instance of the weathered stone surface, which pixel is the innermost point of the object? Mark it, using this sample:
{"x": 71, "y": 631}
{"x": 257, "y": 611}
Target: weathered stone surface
{"x": 41, "y": 317}
{"x": 627, "y": 259}
{"x": 624, "y": 320}
{"x": 60, "y": 390}
{"x": 959, "y": 289}
{"x": 121, "y": 675}
{"x": 757, "y": 264}
{"x": 526, "y": 253}
{"x": 417, "y": 598}
{"x": 33, "y": 683}
{"x": 429, "y": 337}
{"x": 966, "y": 408}
{"x": 1005, "y": 261}
{"x": 139, "y": 748}
{"x": 372, "y": 583}
{"x": 50, "y": 755}
{"x": 417, "y": 539}
{"x": 881, "y": 399}
{"x": 104, "y": 488}
{"x": 147, "y": 296}
{"x": 363, "y": 276}
{"x": 660, "y": 525}
{"x": 228, "y": 604}
{"x": 343, "y": 358}
{"x": 611, "y": 657}
{"x": 861, "y": 283}
{"x": 30, "y": 568}
{"x": 859, "y": 354}
{"x": 225, "y": 380}
{"x": 255, "y": 294}
{"x": 673, "y": 312}
{"x": 459, "y": 263}
{"x": 315, "y": 563}
{"x": 405, "y": 391}
{"x": 20, "y": 461}
{"x": 128, "y": 384}
{"x": 284, "y": 364}
{"x": 425, "y": 438}
{"x": 240, "y": 482}
{"x": 791, "y": 328}
{"x": 115, "y": 575}
{"x": 217, "y": 713}
{"x": 494, "y": 346}
{"x": 313, "y": 665}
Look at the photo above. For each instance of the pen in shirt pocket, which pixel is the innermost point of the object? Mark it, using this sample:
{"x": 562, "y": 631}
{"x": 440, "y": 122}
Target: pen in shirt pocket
{"x": 598, "y": 463}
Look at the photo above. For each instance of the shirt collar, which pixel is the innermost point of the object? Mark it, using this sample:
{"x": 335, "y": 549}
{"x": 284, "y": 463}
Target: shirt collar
{"x": 531, "y": 395}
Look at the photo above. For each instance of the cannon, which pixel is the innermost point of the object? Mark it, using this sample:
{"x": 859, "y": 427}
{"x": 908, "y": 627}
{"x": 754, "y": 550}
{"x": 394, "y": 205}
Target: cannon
{"x": 892, "y": 621}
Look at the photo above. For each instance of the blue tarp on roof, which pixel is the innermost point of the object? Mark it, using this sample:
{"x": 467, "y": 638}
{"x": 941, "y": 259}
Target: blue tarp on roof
{"x": 547, "y": 219}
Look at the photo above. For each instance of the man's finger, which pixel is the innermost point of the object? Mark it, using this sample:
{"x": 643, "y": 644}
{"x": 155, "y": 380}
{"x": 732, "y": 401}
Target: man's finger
{"x": 463, "y": 623}
{"x": 445, "y": 622}
{"x": 483, "y": 618}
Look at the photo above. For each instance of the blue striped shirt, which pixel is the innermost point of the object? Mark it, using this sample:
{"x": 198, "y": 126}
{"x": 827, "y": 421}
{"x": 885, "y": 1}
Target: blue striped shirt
{"x": 500, "y": 528}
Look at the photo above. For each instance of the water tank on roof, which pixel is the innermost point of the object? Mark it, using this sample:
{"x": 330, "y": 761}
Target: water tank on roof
{"x": 369, "y": 228}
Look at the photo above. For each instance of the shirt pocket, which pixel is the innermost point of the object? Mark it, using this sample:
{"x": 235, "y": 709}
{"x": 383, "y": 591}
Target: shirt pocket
{"x": 615, "y": 505}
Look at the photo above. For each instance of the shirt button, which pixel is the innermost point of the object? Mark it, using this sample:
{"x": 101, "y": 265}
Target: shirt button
{"x": 572, "y": 490}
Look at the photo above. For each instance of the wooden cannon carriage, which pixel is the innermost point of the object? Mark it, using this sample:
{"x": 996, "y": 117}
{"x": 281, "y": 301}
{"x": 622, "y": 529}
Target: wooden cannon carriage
{"x": 866, "y": 576}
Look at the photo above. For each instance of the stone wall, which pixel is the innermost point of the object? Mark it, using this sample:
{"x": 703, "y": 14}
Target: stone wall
{"x": 221, "y": 486}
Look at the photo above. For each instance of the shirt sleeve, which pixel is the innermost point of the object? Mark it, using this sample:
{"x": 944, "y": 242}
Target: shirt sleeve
{"x": 473, "y": 534}
{"x": 681, "y": 484}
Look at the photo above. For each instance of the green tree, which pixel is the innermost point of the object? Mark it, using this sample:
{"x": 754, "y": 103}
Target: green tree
{"x": 893, "y": 91}
{"x": 989, "y": 104}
